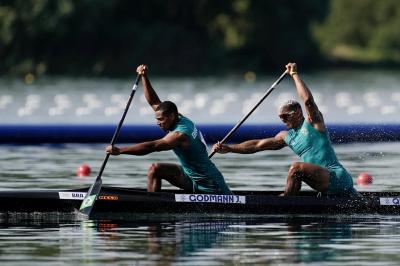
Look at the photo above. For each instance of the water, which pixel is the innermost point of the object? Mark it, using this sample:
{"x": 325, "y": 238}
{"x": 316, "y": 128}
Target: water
{"x": 54, "y": 166}
{"x": 182, "y": 240}
{"x": 55, "y": 239}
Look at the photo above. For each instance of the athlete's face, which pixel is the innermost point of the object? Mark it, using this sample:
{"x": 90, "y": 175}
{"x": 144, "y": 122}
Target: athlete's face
{"x": 165, "y": 122}
{"x": 291, "y": 118}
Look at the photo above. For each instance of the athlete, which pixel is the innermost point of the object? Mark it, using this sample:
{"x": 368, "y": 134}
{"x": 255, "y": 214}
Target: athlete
{"x": 196, "y": 173}
{"x": 309, "y": 139}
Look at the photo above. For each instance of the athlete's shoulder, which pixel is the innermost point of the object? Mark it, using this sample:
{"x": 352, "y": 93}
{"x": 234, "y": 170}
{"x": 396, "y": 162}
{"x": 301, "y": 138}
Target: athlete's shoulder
{"x": 186, "y": 126}
{"x": 186, "y": 121}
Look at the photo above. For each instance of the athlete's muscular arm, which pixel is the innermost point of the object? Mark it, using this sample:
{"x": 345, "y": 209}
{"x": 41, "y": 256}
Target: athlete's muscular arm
{"x": 149, "y": 93}
{"x": 314, "y": 116}
{"x": 253, "y": 146}
{"x": 170, "y": 141}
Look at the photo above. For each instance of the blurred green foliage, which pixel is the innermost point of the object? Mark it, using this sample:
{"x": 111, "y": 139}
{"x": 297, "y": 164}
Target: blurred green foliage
{"x": 363, "y": 30}
{"x": 189, "y": 37}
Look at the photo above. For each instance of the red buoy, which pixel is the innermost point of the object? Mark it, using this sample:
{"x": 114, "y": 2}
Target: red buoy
{"x": 83, "y": 170}
{"x": 364, "y": 179}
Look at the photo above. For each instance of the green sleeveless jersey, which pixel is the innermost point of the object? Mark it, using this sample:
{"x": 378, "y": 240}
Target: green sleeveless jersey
{"x": 195, "y": 162}
{"x": 315, "y": 147}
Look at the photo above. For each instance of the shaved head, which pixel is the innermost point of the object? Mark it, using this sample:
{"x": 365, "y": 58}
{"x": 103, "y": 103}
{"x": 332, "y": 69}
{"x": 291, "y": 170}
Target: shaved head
{"x": 290, "y": 105}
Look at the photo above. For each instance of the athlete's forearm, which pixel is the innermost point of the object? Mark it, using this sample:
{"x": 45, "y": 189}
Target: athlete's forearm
{"x": 302, "y": 90}
{"x": 149, "y": 93}
{"x": 246, "y": 147}
{"x": 139, "y": 149}
{"x": 253, "y": 146}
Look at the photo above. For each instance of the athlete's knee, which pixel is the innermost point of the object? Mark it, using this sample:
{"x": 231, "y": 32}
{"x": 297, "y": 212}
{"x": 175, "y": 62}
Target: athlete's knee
{"x": 153, "y": 170}
{"x": 296, "y": 169}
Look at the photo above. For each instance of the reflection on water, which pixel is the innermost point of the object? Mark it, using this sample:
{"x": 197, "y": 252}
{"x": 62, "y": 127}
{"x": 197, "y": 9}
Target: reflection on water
{"x": 202, "y": 240}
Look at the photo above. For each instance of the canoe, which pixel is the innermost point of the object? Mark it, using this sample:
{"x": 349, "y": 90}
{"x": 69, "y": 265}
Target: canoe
{"x": 134, "y": 201}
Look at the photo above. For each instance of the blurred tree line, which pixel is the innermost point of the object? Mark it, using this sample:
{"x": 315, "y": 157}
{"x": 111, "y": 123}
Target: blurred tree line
{"x": 188, "y": 37}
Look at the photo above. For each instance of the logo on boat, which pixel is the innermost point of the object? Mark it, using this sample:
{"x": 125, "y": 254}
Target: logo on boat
{"x": 208, "y": 198}
{"x": 72, "y": 195}
{"x": 390, "y": 201}
{"x": 108, "y": 197}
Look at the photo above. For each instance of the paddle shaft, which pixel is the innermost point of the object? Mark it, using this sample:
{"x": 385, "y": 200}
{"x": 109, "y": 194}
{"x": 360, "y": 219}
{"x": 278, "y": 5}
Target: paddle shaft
{"x": 116, "y": 133}
{"x": 250, "y": 112}
{"x": 94, "y": 190}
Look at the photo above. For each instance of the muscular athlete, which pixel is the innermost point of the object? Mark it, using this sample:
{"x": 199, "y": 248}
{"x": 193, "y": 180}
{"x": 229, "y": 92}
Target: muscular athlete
{"x": 309, "y": 139}
{"x": 196, "y": 173}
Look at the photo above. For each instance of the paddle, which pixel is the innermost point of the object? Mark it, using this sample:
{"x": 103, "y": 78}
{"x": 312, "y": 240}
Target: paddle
{"x": 251, "y": 111}
{"x": 91, "y": 196}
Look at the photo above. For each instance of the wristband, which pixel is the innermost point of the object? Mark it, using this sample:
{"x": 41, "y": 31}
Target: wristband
{"x": 293, "y": 73}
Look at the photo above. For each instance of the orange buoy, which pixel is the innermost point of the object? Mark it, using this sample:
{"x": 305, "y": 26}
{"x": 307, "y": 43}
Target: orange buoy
{"x": 83, "y": 170}
{"x": 364, "y": 178}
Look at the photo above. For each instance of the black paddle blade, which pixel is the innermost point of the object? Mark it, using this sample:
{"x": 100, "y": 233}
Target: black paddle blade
{"x": 90, "y": 198}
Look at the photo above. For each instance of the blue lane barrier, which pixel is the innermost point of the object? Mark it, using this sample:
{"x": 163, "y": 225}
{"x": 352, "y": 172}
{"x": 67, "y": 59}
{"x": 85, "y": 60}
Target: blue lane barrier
{"x": 36, "y": 134}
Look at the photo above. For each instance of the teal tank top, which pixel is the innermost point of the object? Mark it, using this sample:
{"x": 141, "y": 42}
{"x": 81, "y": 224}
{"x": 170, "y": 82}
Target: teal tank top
{"x": 316, "y": 148}
{"x": 195, "y": 162}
